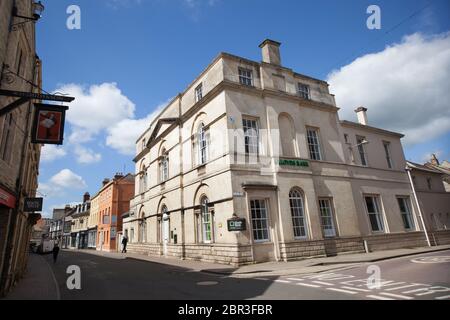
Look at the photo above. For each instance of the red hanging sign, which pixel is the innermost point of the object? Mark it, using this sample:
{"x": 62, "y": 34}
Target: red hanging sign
{"x": 48, "y": 124}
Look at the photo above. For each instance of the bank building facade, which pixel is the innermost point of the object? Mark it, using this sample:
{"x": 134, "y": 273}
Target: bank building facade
{"x": 251, "y": 163}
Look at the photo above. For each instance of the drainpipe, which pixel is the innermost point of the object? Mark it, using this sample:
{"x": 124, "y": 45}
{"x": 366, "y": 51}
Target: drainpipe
{"x": 408, "y": 169}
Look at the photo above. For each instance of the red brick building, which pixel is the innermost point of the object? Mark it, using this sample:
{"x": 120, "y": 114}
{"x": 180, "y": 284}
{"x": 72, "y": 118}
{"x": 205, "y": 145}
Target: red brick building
{"x": 114, "y": 199}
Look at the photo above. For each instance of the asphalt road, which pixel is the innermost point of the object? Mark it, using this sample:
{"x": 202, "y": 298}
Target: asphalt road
{"x": 108, "y": 278}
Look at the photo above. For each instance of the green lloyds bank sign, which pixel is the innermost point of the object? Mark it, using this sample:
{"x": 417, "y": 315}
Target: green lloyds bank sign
{"x": 293, "y": 163}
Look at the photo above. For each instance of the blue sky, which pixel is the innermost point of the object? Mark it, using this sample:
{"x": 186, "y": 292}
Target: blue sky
{"x": 131, "y": 56}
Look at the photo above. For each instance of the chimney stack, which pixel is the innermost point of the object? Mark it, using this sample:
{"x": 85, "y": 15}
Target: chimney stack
{"x": 271, "y": 52}
{"x": 361, "y": 112}
{"x": 105, "y": 181}
{"x": 86, "y": 197}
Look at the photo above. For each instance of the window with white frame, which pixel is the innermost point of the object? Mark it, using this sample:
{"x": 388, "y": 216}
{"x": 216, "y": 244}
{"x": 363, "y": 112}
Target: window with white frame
{"x": 206, "y": 221}
{"x": 245, "y": 77}
{"x": 326, "y": 218}
{"x": 199, "y": 92}
{"x": 387, "y": 153}
{"x": 303, "y": 91}
{"x": 251, "y": 136}
{"x": 313, "y": 144}
{"x": 361, "y": 150}
{"x": 202, "y": 144}
{"x": 260, "y": 220}
{"x": 405, "y": 210}
{"x": 298, "y": 213}
{"x": 164, "y": 167}
{"x": 374, "y": 211}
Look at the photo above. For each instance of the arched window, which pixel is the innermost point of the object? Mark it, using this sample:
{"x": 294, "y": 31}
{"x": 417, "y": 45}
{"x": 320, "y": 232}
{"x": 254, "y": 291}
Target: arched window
{"x": 298, "y": 213}
{"x": 202, "y": 144}
{"x": 206, "y": 220}
{"x": 164, "y": 166}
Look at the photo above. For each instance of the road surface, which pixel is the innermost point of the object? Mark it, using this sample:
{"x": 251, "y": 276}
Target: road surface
{"x": 424, "y": 276}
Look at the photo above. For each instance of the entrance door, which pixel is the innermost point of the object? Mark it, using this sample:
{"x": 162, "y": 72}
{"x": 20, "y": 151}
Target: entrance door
{"x": 165, "y": 232}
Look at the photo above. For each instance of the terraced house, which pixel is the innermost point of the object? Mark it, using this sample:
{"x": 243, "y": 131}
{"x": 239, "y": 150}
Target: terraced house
{"x": 251, "y": 163}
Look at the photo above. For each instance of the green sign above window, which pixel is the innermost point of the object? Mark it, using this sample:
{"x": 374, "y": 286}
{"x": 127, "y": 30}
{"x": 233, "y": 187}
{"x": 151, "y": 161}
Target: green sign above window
{"x": 293, "y": 162}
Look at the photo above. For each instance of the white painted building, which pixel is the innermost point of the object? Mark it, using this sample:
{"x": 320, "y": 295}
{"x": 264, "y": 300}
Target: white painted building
{"x": 260, "y": 142}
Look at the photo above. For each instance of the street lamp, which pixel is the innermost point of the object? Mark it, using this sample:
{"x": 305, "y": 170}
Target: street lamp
{"x": 350, "y": 147}
{"x": 38, "y": 8}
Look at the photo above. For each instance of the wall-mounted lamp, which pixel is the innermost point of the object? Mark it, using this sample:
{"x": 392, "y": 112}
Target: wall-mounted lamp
{"x": 37, "y": 7}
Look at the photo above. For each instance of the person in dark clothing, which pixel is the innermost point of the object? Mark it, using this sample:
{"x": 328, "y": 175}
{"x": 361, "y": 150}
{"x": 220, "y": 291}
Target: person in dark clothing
{"x": 55, "y": 252}
{"x": 124, "y": 244}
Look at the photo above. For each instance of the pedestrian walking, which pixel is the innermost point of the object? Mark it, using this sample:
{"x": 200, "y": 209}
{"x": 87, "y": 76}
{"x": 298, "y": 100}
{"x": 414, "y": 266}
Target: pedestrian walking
{"x": 124, "y": 244}
{"x": 55, "y": 252}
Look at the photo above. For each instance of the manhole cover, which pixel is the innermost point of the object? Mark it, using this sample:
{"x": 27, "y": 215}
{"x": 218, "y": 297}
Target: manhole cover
{"x": 441, "y": 259}
{"x": 207, "y": 283}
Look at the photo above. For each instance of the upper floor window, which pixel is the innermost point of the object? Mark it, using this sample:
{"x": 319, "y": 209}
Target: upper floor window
{"x": 245, "y": 77}
{"x": 313, "y": 144}
{"x": 251, "y": 136}
{"x": 360, "y": 141}
{"x": 202, "y": 145}
{"x": 303, "y": 91}
{"x": 430, "y": 186}
{"x": 387, "y": 152}
{"x": 143, "y": 144}
{"x": 199, "y": 92}
{"x": 164, "y": 166}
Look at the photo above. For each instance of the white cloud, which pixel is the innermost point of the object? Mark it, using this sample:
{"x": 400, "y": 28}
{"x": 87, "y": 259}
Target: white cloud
{"x": 85, "y": 155}
{"x": 123, "y": 135}
{"x": 95, "y": 108}
{"x": 51, "y": 152}
{"x": 66, "y": 179}
{"x": 405, "y": 87}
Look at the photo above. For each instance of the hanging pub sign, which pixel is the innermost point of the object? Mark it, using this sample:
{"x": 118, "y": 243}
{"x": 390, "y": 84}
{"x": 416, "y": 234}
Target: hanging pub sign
{"x": 236, "y": 224}
{"x": 48, "y": 124}
{"x": 32, "y": 204}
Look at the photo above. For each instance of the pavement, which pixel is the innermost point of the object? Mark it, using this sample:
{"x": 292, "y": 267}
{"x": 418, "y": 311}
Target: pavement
{"x": 132, "y": 276}
{"x": 39, "y": 282}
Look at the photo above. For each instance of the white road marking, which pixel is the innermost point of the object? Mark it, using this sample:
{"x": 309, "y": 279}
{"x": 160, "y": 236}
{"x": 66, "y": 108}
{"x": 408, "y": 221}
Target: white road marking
{"x": 402, "y": 287}
{"x": 308, "y": 285}
{"x": 357, "y": 289}
{"x": 378, "y": 297}
{"x": 443, "y": 297}
{"x": 282, "y": 281}
{"x": 323, "y": 283}
{"x": 342, "y": 290}
{"x": 396, "y": 296}
{"x": 295, "y": 279}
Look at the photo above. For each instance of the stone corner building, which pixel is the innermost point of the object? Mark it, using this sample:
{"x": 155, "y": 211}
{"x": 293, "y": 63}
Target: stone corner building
{"x": 19, "y": 159}
{"x": 258, "y": 141}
